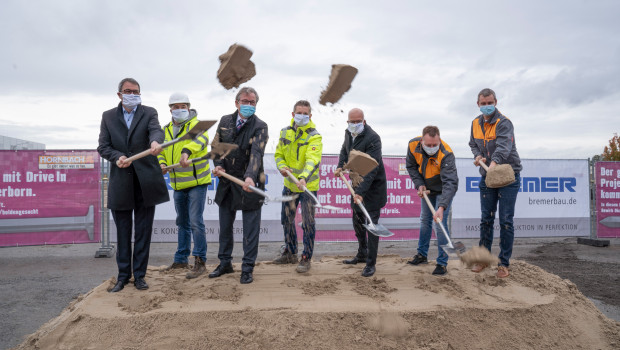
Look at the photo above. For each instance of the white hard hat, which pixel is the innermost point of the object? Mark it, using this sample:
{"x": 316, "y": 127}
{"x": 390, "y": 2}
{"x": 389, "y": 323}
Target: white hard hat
{"x": 178, "y": 97}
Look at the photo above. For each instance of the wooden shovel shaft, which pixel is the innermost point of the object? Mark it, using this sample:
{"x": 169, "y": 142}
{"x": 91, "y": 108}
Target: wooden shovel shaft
{"x": 148, "y": 151}
{"x": 484, "y": 166}
{"x": 242, "y": 183}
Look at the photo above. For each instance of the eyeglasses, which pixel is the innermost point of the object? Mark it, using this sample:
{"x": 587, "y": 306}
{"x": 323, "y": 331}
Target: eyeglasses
{"x": 354, "y": 121}
{"x": 248, "y": 102}
{"x": 130, "y": 92}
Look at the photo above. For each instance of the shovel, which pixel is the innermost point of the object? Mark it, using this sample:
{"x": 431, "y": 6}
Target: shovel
{"x": 457, "y": 248}
{"x": 258, "y": 190}
{"x": 194, "y": 132}
{"x": 500, "y": 176}
{"x": 375, "y": 229}
{"x": 316, "y": 201}
{"x": 218, "y": 151}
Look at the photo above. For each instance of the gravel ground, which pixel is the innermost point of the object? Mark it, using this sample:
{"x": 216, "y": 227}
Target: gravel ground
{"x": 37, "y": 283}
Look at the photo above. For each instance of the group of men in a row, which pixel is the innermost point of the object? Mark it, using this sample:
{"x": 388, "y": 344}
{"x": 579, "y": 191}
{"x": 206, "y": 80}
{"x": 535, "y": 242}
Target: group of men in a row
{"x": 136, "y": 187}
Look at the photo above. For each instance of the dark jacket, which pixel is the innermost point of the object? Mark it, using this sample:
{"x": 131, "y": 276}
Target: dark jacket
{"x": 437, "y": 173}
{"x": 495, "y": 141}
{"x": 245, "y": 161}
{"x": 115, "y": 140}
{"x": 374, "y": 187}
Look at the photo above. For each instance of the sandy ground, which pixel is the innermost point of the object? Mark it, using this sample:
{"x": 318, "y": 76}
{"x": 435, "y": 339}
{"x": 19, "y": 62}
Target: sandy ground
{"x": 332, "y": 307}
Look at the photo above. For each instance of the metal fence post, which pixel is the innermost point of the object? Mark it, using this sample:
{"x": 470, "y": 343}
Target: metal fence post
{"x": 107, "y": 249}
{"x": 592, "y": 185}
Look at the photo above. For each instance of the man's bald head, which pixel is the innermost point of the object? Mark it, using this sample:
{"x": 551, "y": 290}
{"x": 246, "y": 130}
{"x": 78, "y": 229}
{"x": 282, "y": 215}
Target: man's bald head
{"x": 356, "y": 115}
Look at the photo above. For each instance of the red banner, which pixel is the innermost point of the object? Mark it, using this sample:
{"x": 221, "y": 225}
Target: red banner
{"x": 400, "y": 215}
{"x": 607, "y": 175}
{"x": 49, "y": 197}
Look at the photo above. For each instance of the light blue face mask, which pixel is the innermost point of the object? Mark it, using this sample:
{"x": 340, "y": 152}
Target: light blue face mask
{"x": 247, "y": 110}
{"x": 301, "y": 119}
{"x": 131, "y": 101}
{"x": 487, "y": 110}
{"x": 180, "y": 115}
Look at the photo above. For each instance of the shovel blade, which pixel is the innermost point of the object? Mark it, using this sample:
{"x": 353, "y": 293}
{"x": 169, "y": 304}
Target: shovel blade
{"x": 457, "y": 249}
{"x": 378, "y": 230}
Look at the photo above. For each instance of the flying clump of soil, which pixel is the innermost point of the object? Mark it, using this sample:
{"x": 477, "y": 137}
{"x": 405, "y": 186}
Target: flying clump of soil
{"x": 236, "y": 67}
{"x": 339, "y": 82}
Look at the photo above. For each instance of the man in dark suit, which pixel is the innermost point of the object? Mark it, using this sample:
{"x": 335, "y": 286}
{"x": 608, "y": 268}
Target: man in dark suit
{"x": 135, "y": 187}
{"x": 245, "y": 129}
{"x": 372, "y": 191}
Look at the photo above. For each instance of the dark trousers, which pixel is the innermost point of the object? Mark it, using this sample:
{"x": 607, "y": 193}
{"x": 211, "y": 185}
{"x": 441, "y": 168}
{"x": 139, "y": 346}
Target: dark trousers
{"x": 368, "y": 243}
{"x": 287, "y": 218}
{"x": 143, "y": 226}
{"x": 251, "y": 230}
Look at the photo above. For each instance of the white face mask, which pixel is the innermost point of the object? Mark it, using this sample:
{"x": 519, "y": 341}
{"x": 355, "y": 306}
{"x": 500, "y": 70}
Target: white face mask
{"x": 180, "y": 115}
{"x": 430, "y": 150}
{"x": 356, "y": 128}
{"x": 301, "y": 119}
{"x": 131, "y": 101}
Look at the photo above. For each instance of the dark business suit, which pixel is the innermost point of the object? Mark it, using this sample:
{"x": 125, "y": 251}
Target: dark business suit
{"x": 245, "y": 161}
{"x": 135, "y": 189}
{"x": 373, "y": 190}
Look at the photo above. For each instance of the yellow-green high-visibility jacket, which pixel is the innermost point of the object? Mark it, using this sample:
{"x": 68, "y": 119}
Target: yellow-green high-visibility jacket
{"x": 197, "y": 173}
{"x": 300, "y": 149}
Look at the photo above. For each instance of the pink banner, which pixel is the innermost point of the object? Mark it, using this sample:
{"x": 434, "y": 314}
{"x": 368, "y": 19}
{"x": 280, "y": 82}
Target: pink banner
{"x": 49, "y": 197}
{"x": 400, "y": 215}
{"x": 607, "y": 175}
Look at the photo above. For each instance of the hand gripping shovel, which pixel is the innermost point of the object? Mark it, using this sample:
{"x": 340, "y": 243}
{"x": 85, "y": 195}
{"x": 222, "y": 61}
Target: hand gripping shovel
{"x": 500, "y": 176}
{"x": 316, "y": 201}
{"x": 194, "y": 132}
{"x": 218, "y": 151}
{"x": 258, "y": 190}
{"x": 375, "y": 229}
{"x": 457, "y": 248}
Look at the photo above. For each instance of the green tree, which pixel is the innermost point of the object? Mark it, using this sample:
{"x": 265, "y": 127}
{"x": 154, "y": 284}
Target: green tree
{"x": 612, "y": 152}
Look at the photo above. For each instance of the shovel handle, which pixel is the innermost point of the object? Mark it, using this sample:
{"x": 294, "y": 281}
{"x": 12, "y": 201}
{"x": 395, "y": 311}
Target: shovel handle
{"x": 148, "y": 151}
{"x": 242, "y": 183}
{"x": 296, "y": 181}
{"x": 359, "y": 203}
{"x": 439, "y": 223}
{"x": 193, "y": 160}
{"x": 484, "y": 166}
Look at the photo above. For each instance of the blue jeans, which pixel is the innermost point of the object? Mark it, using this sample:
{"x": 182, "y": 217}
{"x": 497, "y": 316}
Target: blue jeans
{"x": 426, "y": 228}
{"x": 190, "y": 204}
{"x": 289, "y": 209}
{"x": 507, "y": 198}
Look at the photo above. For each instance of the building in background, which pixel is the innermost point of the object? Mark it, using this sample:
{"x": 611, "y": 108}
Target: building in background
{"x": 13, "y": 144}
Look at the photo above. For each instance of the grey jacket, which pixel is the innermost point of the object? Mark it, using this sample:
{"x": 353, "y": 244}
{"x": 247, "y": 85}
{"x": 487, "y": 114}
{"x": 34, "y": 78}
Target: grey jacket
{"x": 495, "y": 141}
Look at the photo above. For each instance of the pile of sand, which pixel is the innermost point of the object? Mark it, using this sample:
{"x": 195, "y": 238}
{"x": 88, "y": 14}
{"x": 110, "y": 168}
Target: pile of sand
{"x": 333, "y": 307}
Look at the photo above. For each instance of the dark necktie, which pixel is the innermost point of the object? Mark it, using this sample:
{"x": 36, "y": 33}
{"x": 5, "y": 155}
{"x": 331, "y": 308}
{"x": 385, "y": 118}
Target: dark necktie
{"x": 240, "y": 123}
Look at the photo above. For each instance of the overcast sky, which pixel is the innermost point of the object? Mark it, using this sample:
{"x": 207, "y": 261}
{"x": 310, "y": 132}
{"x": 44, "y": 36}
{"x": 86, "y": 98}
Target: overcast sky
{"x": 555, "y": 66}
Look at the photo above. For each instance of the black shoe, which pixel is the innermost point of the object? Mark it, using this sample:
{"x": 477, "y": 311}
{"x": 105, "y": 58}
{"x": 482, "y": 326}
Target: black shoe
{"x": 440, "y": 270}
{"x": 221, "y": 270}
{"x": 418, "y": 259}
{"x": 246, "y": 277}
{"x": 140, "y": 284}
{"x": 118, "y": 287}
{"x": 355, "y": 260}
{"x": 369, "y": 271}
